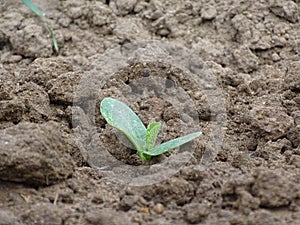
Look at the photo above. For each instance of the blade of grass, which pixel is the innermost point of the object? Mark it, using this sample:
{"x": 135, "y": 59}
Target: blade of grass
{"x": 53, "y": 38}
{"x": 35, "y": 9}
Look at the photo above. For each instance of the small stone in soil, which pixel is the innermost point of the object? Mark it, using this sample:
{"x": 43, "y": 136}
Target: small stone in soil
{"x": 158, "y": 208}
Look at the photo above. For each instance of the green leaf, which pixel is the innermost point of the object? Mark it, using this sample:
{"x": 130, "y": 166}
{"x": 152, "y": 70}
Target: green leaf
{"x": 53, "y": 37}
{"x": 36, "y": 10}
{"x": 167, "y": 146}
{"x": 120, "y": 116}
{"x": 151, "y": 134}
{"x": 33, "y": 7}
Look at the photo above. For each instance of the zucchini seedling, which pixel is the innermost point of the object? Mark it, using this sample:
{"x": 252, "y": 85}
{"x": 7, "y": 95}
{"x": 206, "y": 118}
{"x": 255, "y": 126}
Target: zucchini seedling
{"x": 120, "y": 116}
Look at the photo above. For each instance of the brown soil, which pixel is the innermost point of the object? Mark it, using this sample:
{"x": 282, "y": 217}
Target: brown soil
{"x": 60, "y": 163}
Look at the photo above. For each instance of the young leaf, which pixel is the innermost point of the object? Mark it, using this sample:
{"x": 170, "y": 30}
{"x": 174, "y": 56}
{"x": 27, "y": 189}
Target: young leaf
{"x": 151, "y": 134}
{"x": 120, "y": 116}
{"x": 162, "y": 148}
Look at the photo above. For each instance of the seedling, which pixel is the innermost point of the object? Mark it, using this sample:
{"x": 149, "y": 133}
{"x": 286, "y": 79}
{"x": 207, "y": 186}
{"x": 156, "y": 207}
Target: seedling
{"x": 120, "y": 116}
{"x": 35, "y": 9}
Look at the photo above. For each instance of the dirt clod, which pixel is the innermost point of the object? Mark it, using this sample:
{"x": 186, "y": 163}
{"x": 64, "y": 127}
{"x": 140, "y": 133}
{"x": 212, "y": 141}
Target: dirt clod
{"x": 227, "y": 68}
{"x": 34, "y": 154}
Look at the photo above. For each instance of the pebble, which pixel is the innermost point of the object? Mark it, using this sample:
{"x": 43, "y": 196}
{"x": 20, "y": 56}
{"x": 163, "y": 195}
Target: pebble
{"x": 158, "y": 208}
{"x": 275, "y": 57}
{"x": 145, "y": 210}
{"x": 163, "y": 32}
{"x": 208, "y": 13}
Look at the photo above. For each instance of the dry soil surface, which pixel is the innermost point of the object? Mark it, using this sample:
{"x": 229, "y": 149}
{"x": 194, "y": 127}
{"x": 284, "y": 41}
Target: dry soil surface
{"x": 54, "y": 144}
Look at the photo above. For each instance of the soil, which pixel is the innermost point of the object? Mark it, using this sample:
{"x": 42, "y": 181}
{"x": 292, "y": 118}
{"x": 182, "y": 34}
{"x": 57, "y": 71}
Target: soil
{"x": 227, "y": 68}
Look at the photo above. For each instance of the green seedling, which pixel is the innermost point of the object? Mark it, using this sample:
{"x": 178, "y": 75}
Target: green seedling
{"x": 35, "y": 9}
{"x": 120, "y": 116}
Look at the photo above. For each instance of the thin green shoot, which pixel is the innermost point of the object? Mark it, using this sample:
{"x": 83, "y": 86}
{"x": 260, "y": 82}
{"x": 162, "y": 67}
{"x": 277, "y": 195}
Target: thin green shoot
{"x": 35, "y": 9}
